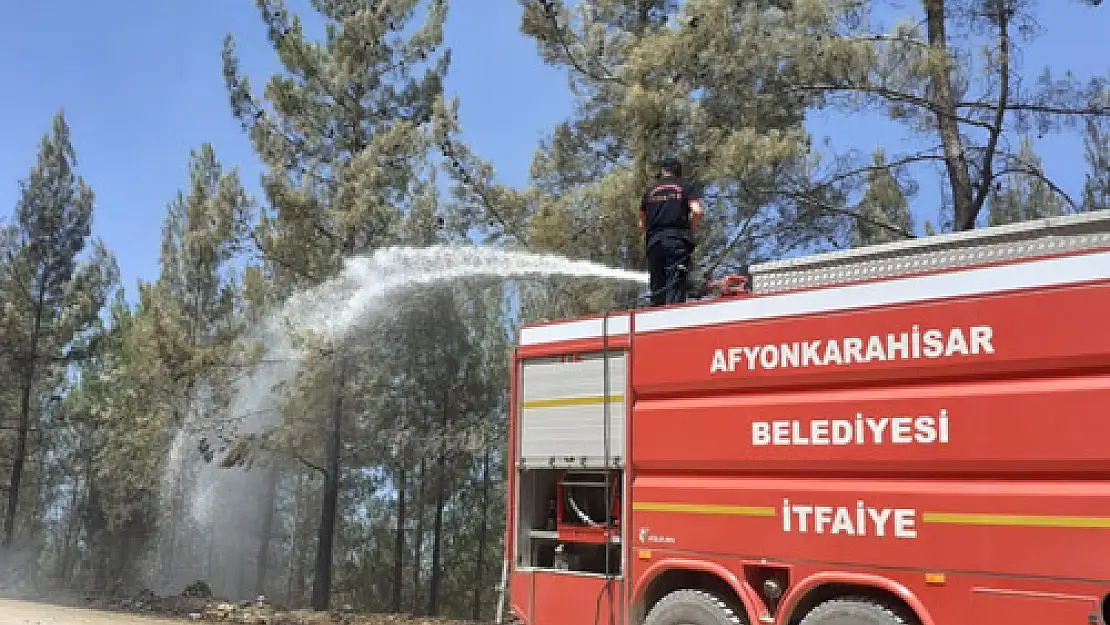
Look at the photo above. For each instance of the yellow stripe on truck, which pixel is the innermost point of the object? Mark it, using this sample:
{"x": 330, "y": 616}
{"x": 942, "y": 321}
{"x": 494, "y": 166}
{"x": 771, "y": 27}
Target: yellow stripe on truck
{"x": 651, "y": 506}
{"x": 571, "y": 401}
{"x": 1016, "y": 520}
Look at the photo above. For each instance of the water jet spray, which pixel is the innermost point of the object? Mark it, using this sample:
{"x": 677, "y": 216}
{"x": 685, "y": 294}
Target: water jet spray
{"x": 221, "y": 496}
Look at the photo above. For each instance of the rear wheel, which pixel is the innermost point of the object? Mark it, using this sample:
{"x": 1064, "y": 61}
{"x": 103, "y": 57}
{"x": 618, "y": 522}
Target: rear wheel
{"x": 852, "y": 612}
{"x": 692, "y": 607}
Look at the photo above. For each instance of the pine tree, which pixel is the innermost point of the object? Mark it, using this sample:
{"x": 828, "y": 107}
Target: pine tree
{"x": 920, "y": 72}
{"x": 194, "y": 307}
{"x": 704, "y": 82}
{"x": 122, "y": 404}
{"x": 1023, "y": 193}
{"x": 350, "y": 123}
{"x": 54, "y": 296}
{"x": 1096, "y": 151}
{"x": 883, "y": 211}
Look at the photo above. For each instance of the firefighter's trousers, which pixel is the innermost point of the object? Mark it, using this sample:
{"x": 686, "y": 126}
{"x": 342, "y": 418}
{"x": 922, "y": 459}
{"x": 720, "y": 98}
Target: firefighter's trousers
{"x": 669, "y": 268}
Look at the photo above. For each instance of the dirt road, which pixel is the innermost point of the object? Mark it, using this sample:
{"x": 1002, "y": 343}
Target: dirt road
{"x": 27, "y": 613}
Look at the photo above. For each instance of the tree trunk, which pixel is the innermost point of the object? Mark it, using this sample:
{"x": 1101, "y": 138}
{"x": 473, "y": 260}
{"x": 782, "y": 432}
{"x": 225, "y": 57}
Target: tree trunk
{"x": 64, "y": 571}
{"x": 96, "y": 526}
{"x": 321, "y": 584}
{"x": 24, "y": 421}
{"x": 267, "y": 531}
{"x": 955, "y": 159}
{"x": 293, "y": 568}
{"x": 483, "y": 539}
{"x": 176, "y": 511}
{"x": 437, "y": 546}
{"x": 399, "y": 547}
{"x": 437, "y": 529}
{"x": 418, "y": 540}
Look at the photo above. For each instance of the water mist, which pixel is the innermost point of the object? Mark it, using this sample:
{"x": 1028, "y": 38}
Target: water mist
{"x": 211, "y": 516}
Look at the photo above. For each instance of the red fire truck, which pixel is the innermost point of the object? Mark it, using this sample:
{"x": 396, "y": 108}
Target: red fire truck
{"x": 916, "y": 433}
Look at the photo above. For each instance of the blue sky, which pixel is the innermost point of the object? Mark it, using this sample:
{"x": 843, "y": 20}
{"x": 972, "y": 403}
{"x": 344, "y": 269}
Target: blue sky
{"x": 141, "y": 85}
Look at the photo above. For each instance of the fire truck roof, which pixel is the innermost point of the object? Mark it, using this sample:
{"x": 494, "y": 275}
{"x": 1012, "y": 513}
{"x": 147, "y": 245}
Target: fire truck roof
{"x": 1037, "y": 253}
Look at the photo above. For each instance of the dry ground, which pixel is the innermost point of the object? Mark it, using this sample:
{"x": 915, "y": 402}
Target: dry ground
{"x": 17, "y": 612}
{"x": 27, "y": 613}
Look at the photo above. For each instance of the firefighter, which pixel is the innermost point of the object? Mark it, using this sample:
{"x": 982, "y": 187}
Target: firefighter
{"x": 669, "y": 213}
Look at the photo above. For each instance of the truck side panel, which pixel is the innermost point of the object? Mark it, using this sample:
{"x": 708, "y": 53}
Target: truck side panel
{"x": 1016, "y": 427}
{"x": 553, "y": 597}
{"x": 1024, "y": 528}
{"x": 957, "y": 437}
{"x": 1001, "y": 335}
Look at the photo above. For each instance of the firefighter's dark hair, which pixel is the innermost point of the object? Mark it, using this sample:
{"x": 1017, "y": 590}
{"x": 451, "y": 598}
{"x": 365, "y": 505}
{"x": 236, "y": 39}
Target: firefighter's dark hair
{"x": 672, "y": 166}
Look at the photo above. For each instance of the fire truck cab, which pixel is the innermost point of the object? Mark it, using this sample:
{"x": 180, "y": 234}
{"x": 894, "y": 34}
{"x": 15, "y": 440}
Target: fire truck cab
{"x": 910, "y": 433}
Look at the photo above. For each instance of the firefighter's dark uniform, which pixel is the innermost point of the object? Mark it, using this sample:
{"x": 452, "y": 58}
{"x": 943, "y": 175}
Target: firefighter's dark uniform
{"x": 665, "y": 211}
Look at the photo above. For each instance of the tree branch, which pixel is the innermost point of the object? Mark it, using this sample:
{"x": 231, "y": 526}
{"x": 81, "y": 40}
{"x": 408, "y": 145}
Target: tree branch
{"x": 300, "y": 271}
{"x": 906, "y": 160}
{"x": 1000, "y": 112}
{"x": 802, "y": 198}
{"x": 449, "y": 152}
{"x": 311, "y": 465}
{"x": 1040, "y": 108}
{"x": 1030, "y": 171}
{"x": 893, "y": 96}
{"x": 829, "y": 208}
{"x": 549, "y": 11}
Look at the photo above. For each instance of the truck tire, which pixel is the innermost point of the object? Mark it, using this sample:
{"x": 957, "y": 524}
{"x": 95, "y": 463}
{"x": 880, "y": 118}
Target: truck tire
{"x": 692, "y": 607}
{"x": 852, "y": 611}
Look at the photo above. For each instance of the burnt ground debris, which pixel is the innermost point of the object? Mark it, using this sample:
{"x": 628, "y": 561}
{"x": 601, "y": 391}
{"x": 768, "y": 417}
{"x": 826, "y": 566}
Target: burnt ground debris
{"x": 197, "y": 602}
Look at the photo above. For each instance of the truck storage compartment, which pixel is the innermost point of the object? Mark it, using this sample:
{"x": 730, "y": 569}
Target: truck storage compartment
{"x": 565, "y": 518}
{"x": 565, "y": 411}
